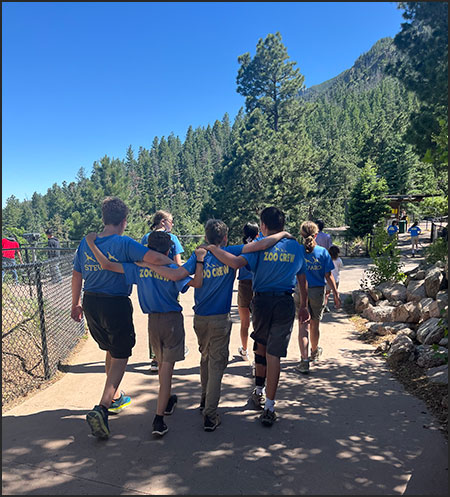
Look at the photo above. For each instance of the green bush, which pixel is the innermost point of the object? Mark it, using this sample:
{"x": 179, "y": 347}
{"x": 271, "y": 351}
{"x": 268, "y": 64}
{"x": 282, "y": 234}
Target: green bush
{"x": 437, "y": 251}
{"x": 385, "y": 258}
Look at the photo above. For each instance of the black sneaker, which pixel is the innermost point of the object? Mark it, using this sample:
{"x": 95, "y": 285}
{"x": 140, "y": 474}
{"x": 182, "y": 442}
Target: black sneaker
{"x": 268, "y": 417}
{"x": 159, "y": 427}
{"x": 258, "y": 399}
{"x": 170, "y": 405}
{"x": 97, "y": 420}
{"x": 210, "y": 424}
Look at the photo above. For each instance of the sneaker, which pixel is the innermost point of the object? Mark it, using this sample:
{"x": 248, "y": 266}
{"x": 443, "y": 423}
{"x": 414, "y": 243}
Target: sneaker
{"x": 210, "y": 424}
{"x": 159, "y": 427}
{"x": 97, "y": 420}
{"x": 303, "y": 366}
{"x": 154, "y": 366}
{"x": 171, "y": 405}
{"x": 120, "y": 403}
{"x": 243, "y": 353}
{"x": 316, "y": 354}
{"x": 268, "y": 417}
{"x": 258, "y": 399}
{"x": 326, "y": 309}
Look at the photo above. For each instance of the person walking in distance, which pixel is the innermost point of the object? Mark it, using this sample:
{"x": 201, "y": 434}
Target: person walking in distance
{"x": 323, "y": 239}
{"x": 53, "y": 253}
{"x": 107, "y": 306}
{"x": 245, "y": 293}
{"x": 319, "y": 267}
{"x": 338, "y": 264}
{"x": 10, "y": 248}
{"x": 163, "y": 221}
{"x": 415, "y": 231}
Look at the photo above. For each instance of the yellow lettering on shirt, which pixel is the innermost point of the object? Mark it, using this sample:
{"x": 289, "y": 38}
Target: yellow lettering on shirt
{"x": 149, "y": 273}
{"x": 279, "y": 257}
{"x": 216, "y": 272}
{"x": 92, "y": 267}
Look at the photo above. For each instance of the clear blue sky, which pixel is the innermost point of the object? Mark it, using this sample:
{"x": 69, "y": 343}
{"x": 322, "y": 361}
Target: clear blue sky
{"x": 84, "y": 80}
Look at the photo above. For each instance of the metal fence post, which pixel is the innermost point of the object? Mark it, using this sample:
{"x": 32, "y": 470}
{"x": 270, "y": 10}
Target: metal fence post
{"x": 40, "y": 297}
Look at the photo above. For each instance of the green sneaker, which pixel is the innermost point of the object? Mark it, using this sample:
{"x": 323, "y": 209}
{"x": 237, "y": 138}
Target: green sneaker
{"x": 97, "y": 420}
{"x": 303, "y": 366}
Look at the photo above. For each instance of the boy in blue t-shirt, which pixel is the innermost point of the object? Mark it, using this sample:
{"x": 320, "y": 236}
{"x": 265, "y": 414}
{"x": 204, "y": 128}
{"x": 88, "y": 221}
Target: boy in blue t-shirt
{"x": 163, "y": 221}
{"x": 107, "y": 306}
{"x": 275, "y": 272}
{"x": 158, "y": 298}
{"x": 212, "y": 321}
{"x": 415, "y": 232}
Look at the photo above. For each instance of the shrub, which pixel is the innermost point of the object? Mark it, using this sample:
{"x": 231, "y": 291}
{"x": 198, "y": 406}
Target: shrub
{"x": 385, "y": 258}
{"x": 437, "y": 251}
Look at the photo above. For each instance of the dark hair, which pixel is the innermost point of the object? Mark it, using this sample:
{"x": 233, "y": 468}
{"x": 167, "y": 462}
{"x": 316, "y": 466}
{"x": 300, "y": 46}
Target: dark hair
{"x": 215, "y": 231}
{"x": 415, "y": 224}
{"x": 250, "y": 231}
{"x": 273, "y": 218}
{"x": 394, "y": 222}
{"x": 114, "y": 211}
{"x": 159, "y": 241}
{"x": 308, "y": 230}
{"x": 334, "y": 252}
{"x": 49, "y": 231}
{"x": 320, "y": 224}
{"x": 159, "y": 216}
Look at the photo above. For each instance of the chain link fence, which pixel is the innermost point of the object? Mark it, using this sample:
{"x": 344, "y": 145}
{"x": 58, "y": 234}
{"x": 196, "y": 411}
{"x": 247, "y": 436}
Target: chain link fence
{"x": 37, "y": 330}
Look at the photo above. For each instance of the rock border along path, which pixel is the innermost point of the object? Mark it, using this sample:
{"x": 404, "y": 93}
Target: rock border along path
{"x": 349, "y": 428}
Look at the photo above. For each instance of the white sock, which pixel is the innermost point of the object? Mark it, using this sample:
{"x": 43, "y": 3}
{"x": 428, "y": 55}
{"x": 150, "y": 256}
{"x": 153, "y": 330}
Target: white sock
{"x": 270, "y": 404}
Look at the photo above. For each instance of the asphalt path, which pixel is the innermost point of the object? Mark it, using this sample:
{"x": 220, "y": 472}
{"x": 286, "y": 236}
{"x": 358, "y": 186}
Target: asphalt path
{"x": 347, "y": 428}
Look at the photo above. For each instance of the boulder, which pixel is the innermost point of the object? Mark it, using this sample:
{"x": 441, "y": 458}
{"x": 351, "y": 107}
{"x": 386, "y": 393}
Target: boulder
{"x": 400, "y": 351}
{"x": 433, "y": 281}
{"x": 360, "y": 300}
{"x": 427, "y": 357}
{"x": 420, "y": 275}
{"x": 429, "y": 309}
{"x": 376, "y": 294}
{"x": 442, "y": 300}
{"x": 408, "y": 313}
{"x": 444, "y": 342}
{"x": 439, "y": 374}
{"x": 381, "y": 313}
{"x": 415, "y": 291}
{"x": 392, "y": 291}
{"x": 430, "y": 331}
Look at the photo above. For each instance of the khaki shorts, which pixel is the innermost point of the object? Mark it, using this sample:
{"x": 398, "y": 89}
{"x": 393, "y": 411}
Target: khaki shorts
{"x": 245, "y": 293}
{"x": 166, "y": 335}
{"x": 316, "y": 302}
{"x": 415, "y": 241}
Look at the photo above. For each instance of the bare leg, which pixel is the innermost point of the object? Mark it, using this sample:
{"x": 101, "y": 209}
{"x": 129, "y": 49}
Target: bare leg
{"x": 303, "y": 339}
{"x": 165, "y": 384}
{"x": 115, "y": 369}
{"x": 314, "y": 334}
{"x": 244, "y": 314}
{"x": 273, "y": 375}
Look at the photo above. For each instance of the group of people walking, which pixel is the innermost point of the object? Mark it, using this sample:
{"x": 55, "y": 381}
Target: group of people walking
{"x": 279, "y": 279}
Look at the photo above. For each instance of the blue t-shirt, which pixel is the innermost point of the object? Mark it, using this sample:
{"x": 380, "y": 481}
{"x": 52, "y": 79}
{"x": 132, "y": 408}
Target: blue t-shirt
{"x": 214, "y": 297}
{"x": 175, "y": 249}
{"x": 116, "y": 248}
{"x": 155, "y": 293}
{"x": 414, "y": 230}
{"x": 392, "y": 229}
{"x": 318, "y": 262}
{"x": 275, "y": 269}
{"x": 245, "y": 273}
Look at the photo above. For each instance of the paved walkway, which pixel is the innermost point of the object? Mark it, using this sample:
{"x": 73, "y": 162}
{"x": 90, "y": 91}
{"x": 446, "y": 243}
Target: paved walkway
{"x": 348, "y": 428}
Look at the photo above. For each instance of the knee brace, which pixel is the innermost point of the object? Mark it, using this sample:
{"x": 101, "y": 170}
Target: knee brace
{"x": 259, "y": 359}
